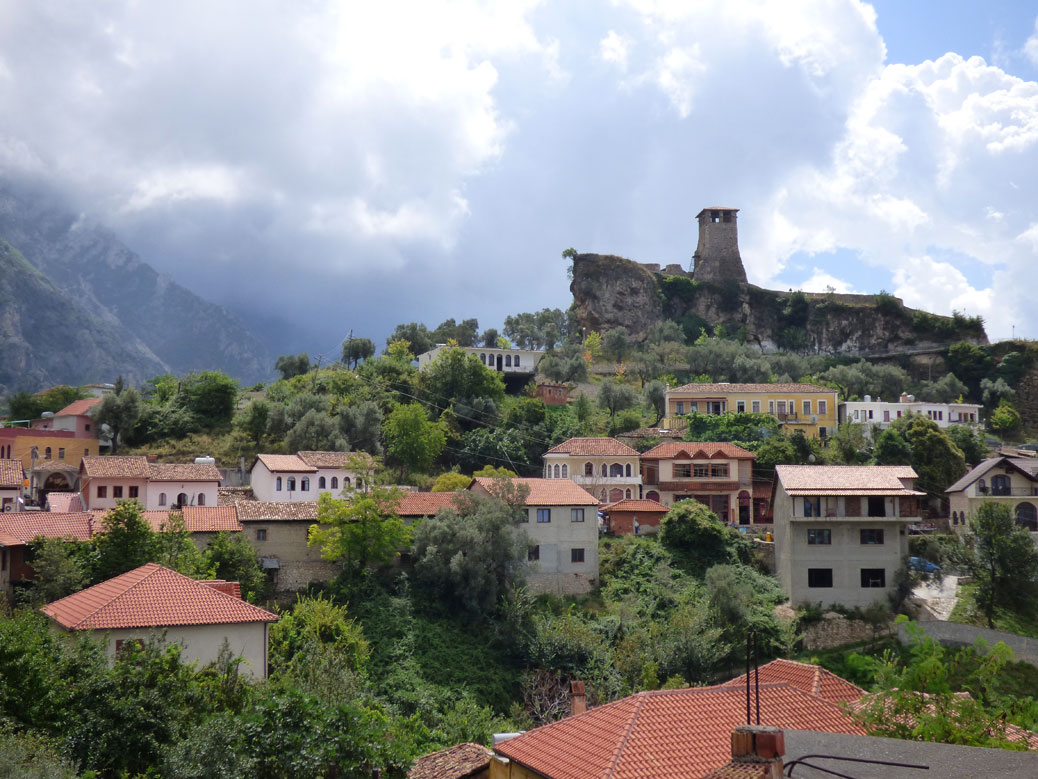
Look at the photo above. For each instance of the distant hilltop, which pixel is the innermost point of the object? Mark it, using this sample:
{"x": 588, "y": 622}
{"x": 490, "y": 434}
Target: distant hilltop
{"x": 611, "y": 291}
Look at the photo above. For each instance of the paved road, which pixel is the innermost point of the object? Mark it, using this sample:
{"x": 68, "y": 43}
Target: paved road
{"x": 939, "y": 598}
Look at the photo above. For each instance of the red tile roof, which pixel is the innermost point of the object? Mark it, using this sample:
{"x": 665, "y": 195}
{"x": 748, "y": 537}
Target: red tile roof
{"x": 151, "y": 596}
{"x": 64, "y": 502}
{"x": 258, "y": 510}
{"x": 846, "y": 479}
{"x": 593, "y": 447}
{"x": 341, "y": 460}
{"x": 664, "y": 734}
{"x": 804, "y": 676}
{"x": 78, "y": 407}
{"x": 459, "y": 762}
{"x": 723, "y": 388}
{"x": 11, "y": 474}
{"x": 697, "y": 450}
{"x": 424, "y": 504}
{"x": 132, "y": 467}
{"x": 27, "y": 525}
{"x": 545, "y": 492}
{"x": 228, "y": 496}
{"x": 182, "y": 472}
{"x": 211, "y": 519}
{"x": 283, "y": 463}
{"x": 631, "y": 504}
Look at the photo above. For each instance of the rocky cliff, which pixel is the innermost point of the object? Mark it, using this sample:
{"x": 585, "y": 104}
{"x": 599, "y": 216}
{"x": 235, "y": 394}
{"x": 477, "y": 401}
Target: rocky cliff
{"x": 161, "y": 325}
{"x": 611, "y": 291}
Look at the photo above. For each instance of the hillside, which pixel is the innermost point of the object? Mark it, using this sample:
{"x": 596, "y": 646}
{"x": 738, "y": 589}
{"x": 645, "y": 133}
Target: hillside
{"x": 163, "y": 325}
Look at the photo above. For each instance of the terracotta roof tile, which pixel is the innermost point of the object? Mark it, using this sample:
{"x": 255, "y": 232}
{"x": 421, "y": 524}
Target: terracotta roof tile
{"x": 633, "y": 504}
{"x": 183, "y": 472}
{"x": 11, "y": 474}
{"x": 457, "y": 762}
{"x": 845, "y": 479}
{"x": 341, "y": 460}
{"x": 593, "y": 447}
{"x": 546, "y": 492}
{"x": 27, "y": 525}
{"x": 804, "y": 676}
{"x": 256, "y": 510}
{"x": 9, "y": 540}
{"x": 151, "y": 596}
{"x": 55, "y": 465}
{"x": 665, "y": 734}
{"x": 198, "y": 519}
{"x": 284, "y": 463}
{"x": 723, "y": 389}
{"x": 424, "y": 504}
{"x": 132, "y": 467}
{"x": 228, "y": 496}
{"x": 78, "y": 407}
{"x": 697, "y": 450}
{"x": 64, "y": 502}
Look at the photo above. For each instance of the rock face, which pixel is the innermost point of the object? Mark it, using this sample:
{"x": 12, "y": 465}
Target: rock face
{"x": 161, "y": 325}
{"x": 611, "y": 291}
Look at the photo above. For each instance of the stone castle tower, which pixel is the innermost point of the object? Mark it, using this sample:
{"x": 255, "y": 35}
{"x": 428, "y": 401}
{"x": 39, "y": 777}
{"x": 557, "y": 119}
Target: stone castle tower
{"x": 717, "y": 254}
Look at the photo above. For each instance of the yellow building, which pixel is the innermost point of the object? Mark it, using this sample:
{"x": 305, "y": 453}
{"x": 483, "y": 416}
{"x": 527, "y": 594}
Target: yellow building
{"x": 805, "y": 407}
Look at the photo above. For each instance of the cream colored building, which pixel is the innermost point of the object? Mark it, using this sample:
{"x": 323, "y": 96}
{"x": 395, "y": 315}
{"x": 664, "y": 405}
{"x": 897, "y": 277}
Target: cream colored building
{"x": 840, "y": 531}
{"x": 562, "y": 523}
{"x": 1012, "y": 481}
{"x": 305, "y": 476}
{"x": 608, "y": 469}
{"x": 156, "y": 602}
{"x": 106, "y": 480}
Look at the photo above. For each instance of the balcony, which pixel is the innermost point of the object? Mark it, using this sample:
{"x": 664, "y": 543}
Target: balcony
{"x": 1007, "y": 492}
{"x": 701, "y": 485}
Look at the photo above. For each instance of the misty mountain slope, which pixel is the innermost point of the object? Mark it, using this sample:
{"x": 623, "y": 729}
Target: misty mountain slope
{"x": 91, "y": 265}
{"x": 47, "y": 338}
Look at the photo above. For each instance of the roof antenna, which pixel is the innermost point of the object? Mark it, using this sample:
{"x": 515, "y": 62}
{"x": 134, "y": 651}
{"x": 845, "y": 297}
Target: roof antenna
{"x": 756, "y": 673}
{"x": 749, "y": 720}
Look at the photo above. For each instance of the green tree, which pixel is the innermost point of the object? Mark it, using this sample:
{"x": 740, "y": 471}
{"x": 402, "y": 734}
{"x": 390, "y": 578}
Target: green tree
{"x": 617, "y": 343}
{"x": 491, "y": 471}
{"x": 457, "y": 375}
{"x": 416, "y": 334}
{"x": 655, "y": 394}
{"x": 316, "y": 625}
{"x": 174, "y": 549}
{"x": 292, "y": 365}
{"x": 451, "y": 481}
{"x": 412, "y": 440}
{"x": 936, "y": 460}
{"x": 62, "y": 567}
{"x": 230, "y": 556}
{"x": 361, "y": 530}
{"x": 210, "y": 396}
{"x": 892, "y": 448}
{"x": 362, "y": 425}
{"x": 1004, "y": 419}
{"x": 316, "y": 431}
{"x": 697, "y": 539}
{"x": 971, "y": 363}
{"x": 1006, "y": 570}
{"x": 125, "y": 542}
{"x": 253, "y": 419}
{"x": 484, "y": 446}
{"x": 945, "y": 390}
{"x": 970, "y": 441}
{"x": 613, "y": 397}
{"x": 119, "y": 412}
{"x": 356, "y": 349}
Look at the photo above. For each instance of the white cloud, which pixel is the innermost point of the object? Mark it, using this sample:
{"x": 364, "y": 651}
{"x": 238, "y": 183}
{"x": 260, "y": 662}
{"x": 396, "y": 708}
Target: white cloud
{"x": 169, "y": 186}
{"x": 1031, "y": 46}
{"x": 822, "y": 281}
{"x": 940, "y": 287}
{"x": 614, "y": 48}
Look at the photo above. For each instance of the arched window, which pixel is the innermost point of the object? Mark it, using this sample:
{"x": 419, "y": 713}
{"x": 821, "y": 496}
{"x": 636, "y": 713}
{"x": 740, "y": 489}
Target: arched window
{"x": 565, "y": 471}
{"x": 516, "y": 363}
{"x": 277, "y": 484}
{"x": 291, "y": 483}
{"x": 628, "y": 493}
{"x": 1027, "y": 516}
{"x": 508, "y": 361}
{"x": 558, "y": 471}
{"x": 360, "y": 484}
{"x": 201, "y": 499}
{"x": 46, "y": 453}
{"x": 335, "y": 482}
{"x": 652, "y": 495}
{"x": 483, "y": 359}
{"x": 182, "y": 499}
{"x": 162, "y": 499}
{"x": 605, "y": 469}
{"x": 346, "y": 482}
{"x": 322, "y": 483}
{"x": 589, "y": 469}
{"x": 616, "y": 470}
{"x": 627, "y": 470}
{"x": 304, "y": 484}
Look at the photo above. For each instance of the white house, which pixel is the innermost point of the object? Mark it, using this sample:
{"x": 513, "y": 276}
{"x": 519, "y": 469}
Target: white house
{"x": 106, "y": 480}
{"x": 509, "y": 361}
{"x": 881, "y": 413}
{"x": 306, "y": 475}
{"x": 840, "y": 530}
{"x": 1011, "y": 481}
{"x": 153, "y": 601}
{"x": 12, "y": 478}
{"x": 562, "y": 522}
{"x": 176, "y": 484}
{"x": 608, "y": 469}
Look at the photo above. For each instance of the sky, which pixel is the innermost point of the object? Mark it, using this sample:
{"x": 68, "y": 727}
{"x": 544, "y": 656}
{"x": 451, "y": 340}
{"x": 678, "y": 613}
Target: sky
{"x": 328, "y": 167}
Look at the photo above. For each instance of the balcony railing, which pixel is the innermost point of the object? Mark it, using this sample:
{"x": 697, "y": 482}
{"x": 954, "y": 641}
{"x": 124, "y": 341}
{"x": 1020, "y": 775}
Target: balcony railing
{"x": 1008, "y": 492}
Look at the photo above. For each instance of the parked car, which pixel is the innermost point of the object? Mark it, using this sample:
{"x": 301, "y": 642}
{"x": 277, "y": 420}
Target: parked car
{"x": 922, "y": 564}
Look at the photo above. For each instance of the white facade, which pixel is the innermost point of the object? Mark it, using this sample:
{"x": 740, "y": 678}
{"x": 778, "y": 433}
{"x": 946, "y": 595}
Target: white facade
{"x": 9, "y": 499}
{"x": 165, "y": 494}
{"x": 303, "y": 482}
{"x": 104, "y": 492}
{"x": 882, "y": 413}
{"x": 608, "y": 477}
{"x": 517, "y": 361}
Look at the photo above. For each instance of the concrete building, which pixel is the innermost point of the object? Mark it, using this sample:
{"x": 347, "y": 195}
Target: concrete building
{"x": 19, "y": 530}
{"x": 608, "y": 469}
{"x": 305, "y": 476}
{"x": 1012, "y": 481}
{"x": 155, "y": 602}
{"x": 181, "y": 485}
{"x": 718, "y": 475}
{"x": 521, "y": 362}
{"x": 35, "y": 447}
{"x": 840, "y": 530}
{"x": 880, "y": 413}
{"x": 562, "y": 522}
{"x": 805, "y": 407}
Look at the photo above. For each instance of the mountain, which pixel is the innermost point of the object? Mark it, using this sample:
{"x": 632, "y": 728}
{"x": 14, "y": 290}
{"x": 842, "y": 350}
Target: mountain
{"x": 97, "y": 282}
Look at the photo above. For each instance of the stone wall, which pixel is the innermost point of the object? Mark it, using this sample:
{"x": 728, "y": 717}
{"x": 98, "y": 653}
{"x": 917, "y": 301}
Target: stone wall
{"x": 836, "y": 630}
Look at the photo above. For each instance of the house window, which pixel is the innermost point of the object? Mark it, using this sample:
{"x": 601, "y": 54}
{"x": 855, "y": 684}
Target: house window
{"x": 823, "y": 432}
{"x": 201, "y": 499}
{"x": 683, "y": 471}
{"x": 516, "y": 363}
{"x": 565, "y": 471}
{"x": 628, "y": 495}
{"x": 589, "y": 469}
{"x": 544, "y": 515}
{"x": 277, "y": 484}
{"x": 823, "y": 407}
{"x": 483, "y": 358}
{"x": 291, "y": 483}
{"x": 680, "y": 407}
{"x": 819, "y": 577}
{"x": 261, "y": 534}
{"x": 873, "y": 577}
{"x": 162, "y": 499}
{"x": 812, "y": 507}
{"x": 87, "y": 428}
{"x": 627, "y": 470}
{"x": 525, "y": 516}
{"x": 855, "y": 413}
{"x": 304, "y": 484}
{"x": 47, "y": 453}
{"x": 719, "y": 470}
{"x": 740, "y": 406}
{"x": 117, "y": 492}
{"x": 61, "y": 453}
{"x": 576, "y": 555}
{"x": 322, "y": 483}
{"x": 134, "y": 492}
{"x": 886, "y": 415}
{"x": 877, "y": 506}
{"x": 821, "y": 536}
{"x": 755, "y": 406}
{"x": 335, "y": 483}
{"x": 508, "y": 361}
{"x": 616, "y": 470}
{"x": 807, "y": 407}
{"x": 701, "y": 471}
{"x": 557, "y": 471}
{"x": 771, "y": 406}
{"x": 102, "y": 492}
{"x": 782, "y": 408}
{"x": 576, "y": 515}
{"x": 870, "y": 413}
{"x": 533, "y": 553}
{"x": 86, "y": 452}
{"x": 346, "y": 482}
{"x": 872, "y": 535}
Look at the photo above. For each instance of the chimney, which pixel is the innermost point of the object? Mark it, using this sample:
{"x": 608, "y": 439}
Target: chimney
{"x": 577, "y": 699}
{"x": 757, "y": 751}
{"x": 227, "y": 588}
